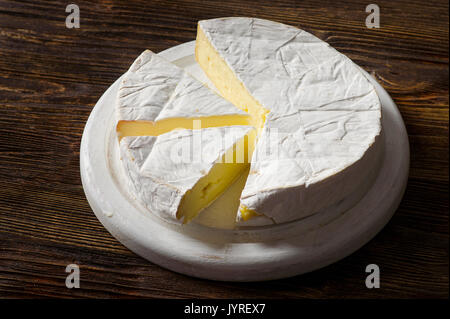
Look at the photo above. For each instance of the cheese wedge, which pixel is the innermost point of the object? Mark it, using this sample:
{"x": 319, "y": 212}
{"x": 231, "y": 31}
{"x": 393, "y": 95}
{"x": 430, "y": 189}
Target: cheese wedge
{"x": 162, "y": 111}
{"x": 179, "y": 173}
{"x": 318, "y": 117}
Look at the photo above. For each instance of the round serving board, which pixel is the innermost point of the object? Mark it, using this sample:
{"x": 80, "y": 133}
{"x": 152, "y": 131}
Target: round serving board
{"x": 249, "y": 253}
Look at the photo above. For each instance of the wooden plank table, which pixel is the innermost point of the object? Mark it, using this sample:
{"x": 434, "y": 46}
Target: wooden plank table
{"x": 52, "y": 76}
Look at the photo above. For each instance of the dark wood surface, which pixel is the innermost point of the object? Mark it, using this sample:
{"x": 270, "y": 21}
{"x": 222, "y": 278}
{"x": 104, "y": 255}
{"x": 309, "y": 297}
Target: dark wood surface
{"x": 51, "y": 77}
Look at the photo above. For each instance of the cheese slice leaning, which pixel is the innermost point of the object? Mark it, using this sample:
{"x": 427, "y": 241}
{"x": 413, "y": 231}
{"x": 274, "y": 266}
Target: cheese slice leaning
{"x": 318, "y": 117}
{"x": 156, "y": 97}
{"x": 179, "y": 173}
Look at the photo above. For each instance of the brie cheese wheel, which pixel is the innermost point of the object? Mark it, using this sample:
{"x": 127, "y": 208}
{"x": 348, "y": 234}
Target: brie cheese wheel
{"x": 177, "y": 174}
{"x": 318, "y": 117}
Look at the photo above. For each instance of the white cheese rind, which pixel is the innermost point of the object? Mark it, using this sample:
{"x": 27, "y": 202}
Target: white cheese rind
{"x": 159, "y": 176}
{"x": 154, "y": 89}
{"x": 324, "y": 123}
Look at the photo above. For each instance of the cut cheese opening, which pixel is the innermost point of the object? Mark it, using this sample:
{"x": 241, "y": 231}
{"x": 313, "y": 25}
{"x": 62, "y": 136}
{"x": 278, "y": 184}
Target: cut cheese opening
{"x": 149, "y": 128}
{"x": 233, "y": 164}
{"x": 231, "y": 88}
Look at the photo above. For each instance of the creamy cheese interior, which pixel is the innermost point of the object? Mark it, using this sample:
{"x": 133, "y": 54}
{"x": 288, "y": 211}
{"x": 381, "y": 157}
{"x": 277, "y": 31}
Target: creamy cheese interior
{"x": 234, "y": 163}
{"x": 148, "y": 128}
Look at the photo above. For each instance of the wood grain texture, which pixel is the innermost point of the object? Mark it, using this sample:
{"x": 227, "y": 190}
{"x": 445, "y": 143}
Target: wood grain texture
{"x": 51, "y": 77}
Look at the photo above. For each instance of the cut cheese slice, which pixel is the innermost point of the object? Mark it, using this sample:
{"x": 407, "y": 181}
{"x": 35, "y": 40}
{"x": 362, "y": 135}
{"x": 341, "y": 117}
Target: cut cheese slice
{"x": 162, "y": 109}
{"x": 156, "y": 97}
{"x": 179, "y": 173}
{"x": 318, "y": 117}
